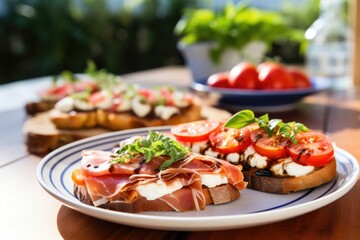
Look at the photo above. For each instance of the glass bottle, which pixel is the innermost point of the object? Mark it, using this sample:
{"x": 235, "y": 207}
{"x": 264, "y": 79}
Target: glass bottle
{"x": 329, "y": 50}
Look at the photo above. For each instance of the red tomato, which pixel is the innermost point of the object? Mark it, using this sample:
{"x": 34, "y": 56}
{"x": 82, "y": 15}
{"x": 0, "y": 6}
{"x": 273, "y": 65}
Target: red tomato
{"x": 194, "y": 131}
{"x": 84, "y": 85}
{"x": 230, "y": 140}
{"x": 218, "y": 80}
{"x": 313, "y": 149}
{"x": 58, "y": 91}
{"x": 273, "y": 147}
{"x": 167, "y": 96}
{"x": 77, "y": 177}
{"x": 300, "y": 79}
{"x": 149, "y": 95}
{"x": 97, "y": 97}
{"x": 243, "y": 76}
{"x": 274, "y": 76}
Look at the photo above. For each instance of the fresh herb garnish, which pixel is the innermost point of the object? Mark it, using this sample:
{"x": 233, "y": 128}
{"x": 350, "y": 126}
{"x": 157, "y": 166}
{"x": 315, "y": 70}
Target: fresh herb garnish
{"x": 105, "y": 79}
{"x": 66, "y": 76}
{"x": 273, "y": 126}
{"x": 154, "y": 145}
{"x": 83, "y": 96}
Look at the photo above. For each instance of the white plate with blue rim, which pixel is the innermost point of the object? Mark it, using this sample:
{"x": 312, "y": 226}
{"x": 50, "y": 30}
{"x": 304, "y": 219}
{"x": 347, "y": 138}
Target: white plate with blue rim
{"x": 262, "y": 99}
{"x": 253, "y": 208}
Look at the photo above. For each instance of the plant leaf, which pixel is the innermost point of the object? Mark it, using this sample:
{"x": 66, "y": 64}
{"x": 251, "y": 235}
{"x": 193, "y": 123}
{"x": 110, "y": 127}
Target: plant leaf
{"x": 241, "y": 119}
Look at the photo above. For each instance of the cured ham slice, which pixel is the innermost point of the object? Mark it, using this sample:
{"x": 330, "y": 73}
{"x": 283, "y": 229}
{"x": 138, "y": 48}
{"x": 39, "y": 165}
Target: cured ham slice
{"x": 180, "y": 186}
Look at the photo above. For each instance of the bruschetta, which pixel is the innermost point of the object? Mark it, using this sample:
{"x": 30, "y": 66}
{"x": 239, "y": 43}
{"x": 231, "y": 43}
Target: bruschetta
{"x": 276, "y": 157}
{"x": 155, "y": 173}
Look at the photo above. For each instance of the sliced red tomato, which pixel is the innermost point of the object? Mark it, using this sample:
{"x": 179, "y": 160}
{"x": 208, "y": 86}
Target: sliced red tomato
{"x": 230, "y": 140}
{"x": 149, "y": 95}
{"x": 58, "y": 91}
{"x": 168, "y": 96}
{"x": 195, "y": 131}
{"x": 85, "y": 85}
{"x": 77, "y": 177}
{"x": 313, "y": 148}
{"x": 97, "y": 97}
{"x": 273, "y": 147}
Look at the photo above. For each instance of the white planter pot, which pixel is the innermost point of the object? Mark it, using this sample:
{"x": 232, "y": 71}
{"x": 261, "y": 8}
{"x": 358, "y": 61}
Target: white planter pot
{"x": 201, "y": 65}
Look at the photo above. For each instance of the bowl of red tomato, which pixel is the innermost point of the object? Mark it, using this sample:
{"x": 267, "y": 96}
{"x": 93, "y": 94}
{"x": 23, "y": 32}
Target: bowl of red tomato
{"x": 267, "y": 86}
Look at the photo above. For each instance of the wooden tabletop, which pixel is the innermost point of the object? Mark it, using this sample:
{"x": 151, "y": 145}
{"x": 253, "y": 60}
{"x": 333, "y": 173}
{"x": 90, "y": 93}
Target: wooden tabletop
{"x": 28, "y": 212}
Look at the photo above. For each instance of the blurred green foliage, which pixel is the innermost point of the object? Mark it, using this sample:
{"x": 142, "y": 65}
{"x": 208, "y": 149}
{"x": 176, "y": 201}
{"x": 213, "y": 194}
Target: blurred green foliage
{"x": 45, "y": 37}
{"x": 234, "y": 26}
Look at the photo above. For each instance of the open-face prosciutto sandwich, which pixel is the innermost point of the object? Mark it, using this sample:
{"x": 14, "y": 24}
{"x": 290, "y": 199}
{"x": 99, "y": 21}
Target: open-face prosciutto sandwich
{"x": 276, "y": 157}
{"x": 155, "y": 173}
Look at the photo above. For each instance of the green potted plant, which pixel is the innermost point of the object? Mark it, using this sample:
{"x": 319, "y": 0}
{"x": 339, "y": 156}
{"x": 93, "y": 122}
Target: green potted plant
{"x": 214, "y": 41}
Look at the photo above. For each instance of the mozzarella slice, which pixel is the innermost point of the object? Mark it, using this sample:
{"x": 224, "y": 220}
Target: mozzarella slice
{"x": 287, "y": 167}
{"x": 65, "y": 105}
{"x": 83, "y": 105}
{"x": 140, "y": 109}
{"x": 213, "y": 180}
{"x": 165, "y": 112}
{"x": 154, "y": 190}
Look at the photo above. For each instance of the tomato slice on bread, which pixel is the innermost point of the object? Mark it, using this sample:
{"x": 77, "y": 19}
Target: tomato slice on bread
{"x": 77, "y": 177}
{"x": 195, "y": 131}
{"x": 273, "y": 147}
{"x": 230, "y": 140}
{"x": 313, "y": 148}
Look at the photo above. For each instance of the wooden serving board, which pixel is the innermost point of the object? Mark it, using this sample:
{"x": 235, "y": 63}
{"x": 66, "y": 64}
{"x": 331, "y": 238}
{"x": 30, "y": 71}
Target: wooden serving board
{"x": 41, "y": 135}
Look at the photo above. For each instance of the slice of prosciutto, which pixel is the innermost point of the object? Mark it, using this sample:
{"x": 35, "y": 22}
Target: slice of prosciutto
{"x": 179, "y": 186}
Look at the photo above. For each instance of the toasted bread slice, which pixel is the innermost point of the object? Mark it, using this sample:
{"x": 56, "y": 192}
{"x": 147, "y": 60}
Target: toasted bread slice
{"x": 273, "y": 184}
{"x": 33, "y": 108}
{"x": 127, "y": 120}
{"x": 42, "y": 136}
{"x": 216, "y": 195}
{"x": 73, "y": 120}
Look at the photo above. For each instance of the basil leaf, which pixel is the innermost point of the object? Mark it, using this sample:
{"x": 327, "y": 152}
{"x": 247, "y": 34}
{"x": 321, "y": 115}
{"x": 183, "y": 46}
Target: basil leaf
{"x": 273, "y": 126}
{"x": 241, "y": 119}
{"x": 273, "y": 123}
{"x": 263, "y": 120}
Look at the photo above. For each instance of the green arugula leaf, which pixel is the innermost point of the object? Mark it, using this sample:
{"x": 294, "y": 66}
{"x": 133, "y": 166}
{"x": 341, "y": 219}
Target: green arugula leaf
{"x": 81, "y": 95}
{"x": 154, "y": 145}
{"x": 263, "y": 120}
{"x": 103, "y": 78}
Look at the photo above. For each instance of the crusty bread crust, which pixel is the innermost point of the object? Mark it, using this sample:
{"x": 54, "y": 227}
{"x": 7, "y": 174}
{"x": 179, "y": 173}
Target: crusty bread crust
{"x": 120, "y": 121}
{"x": 218, "y": 195}
{"x": 33, "y": 108}
{"x": 290, "y": 184}
{"x": 73, "y": 120}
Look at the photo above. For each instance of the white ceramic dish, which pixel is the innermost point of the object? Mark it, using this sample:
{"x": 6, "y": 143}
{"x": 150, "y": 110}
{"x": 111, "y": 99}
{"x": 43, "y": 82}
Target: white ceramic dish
{"x": 253, "y": 208}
